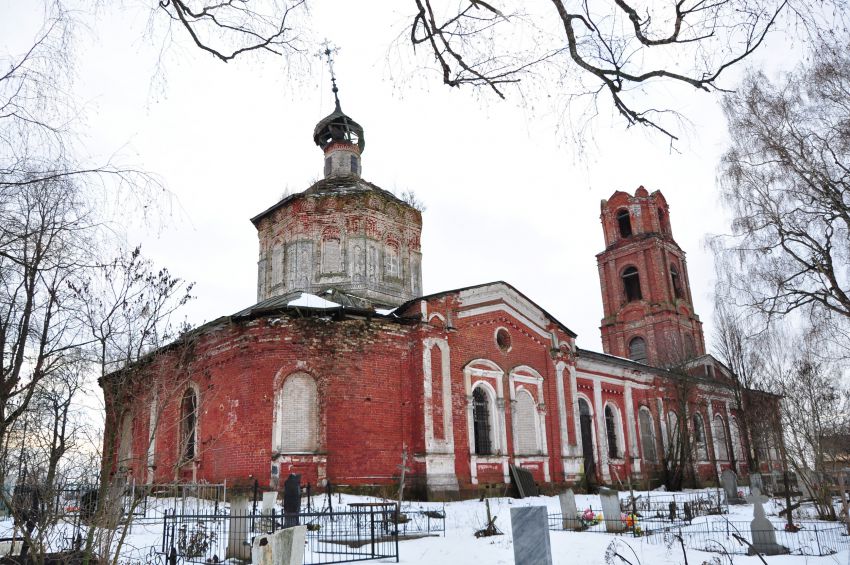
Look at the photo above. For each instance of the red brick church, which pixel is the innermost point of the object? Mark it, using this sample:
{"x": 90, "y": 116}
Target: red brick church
{"x": 342, "y": 365}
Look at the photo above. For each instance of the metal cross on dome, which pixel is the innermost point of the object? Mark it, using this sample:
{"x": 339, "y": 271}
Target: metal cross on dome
{"x": 329, "y": 53}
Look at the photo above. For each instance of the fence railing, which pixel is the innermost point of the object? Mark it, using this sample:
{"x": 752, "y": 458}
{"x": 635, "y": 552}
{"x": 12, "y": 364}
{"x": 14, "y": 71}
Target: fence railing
{"x": 338, "y": 537}
{"x": 812, "y": 539}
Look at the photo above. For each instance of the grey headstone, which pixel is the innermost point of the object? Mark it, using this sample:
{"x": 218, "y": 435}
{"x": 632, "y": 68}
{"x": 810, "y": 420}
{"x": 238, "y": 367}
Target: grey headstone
{"x": 764, "y": 535}
{"x": 530, "y": 528}
{"x": 611, "y": 510}
{"x": 240, "y": 522}
{"x": 729, "y": 479}
{"x": 284, "y": 547}
{"x": 569, "y": 512}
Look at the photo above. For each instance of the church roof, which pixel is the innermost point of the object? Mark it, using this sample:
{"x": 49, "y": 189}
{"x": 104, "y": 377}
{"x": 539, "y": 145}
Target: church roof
{"x": 332, "y": 185}
{"x": 549, "y": 316}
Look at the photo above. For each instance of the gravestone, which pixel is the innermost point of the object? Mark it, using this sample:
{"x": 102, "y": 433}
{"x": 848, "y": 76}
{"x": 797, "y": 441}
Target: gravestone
{"x": 569, "y": 512}
{"x": 530, "y": 528}
{"x": 269, "y": 500}
{"x": 611, "y": 510}
{"x": 756, "y": 482}
{"x": 237, "y": 534}
{"x": 291, "y": 500}
{"x": 730, "y": 486}
{"x": 689, "y": 513}
{"x": 672, "y": 507}
{"x": 764, "y": 536}
{"x": 284, "y": 547}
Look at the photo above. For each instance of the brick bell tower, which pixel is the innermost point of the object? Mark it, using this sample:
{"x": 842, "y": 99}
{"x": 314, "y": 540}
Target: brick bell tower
{"x": 646, "y": 292}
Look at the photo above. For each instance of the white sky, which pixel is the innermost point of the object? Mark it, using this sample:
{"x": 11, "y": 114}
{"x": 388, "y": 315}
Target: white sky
{"x": 508, "y": 196}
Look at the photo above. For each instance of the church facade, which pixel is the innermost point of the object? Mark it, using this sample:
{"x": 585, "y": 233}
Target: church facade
{"x": 343, "y": 367}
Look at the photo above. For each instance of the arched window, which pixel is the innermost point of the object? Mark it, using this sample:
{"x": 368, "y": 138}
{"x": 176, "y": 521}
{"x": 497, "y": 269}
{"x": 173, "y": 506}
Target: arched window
{"x": 297, "y": 405}
{"x": 718, "y": 430}
{"x": 481, "y": 422}
{"x": 699, "y": 438}
{"x": 735, "y": 432}
{"x": 189, "y": 425}
{"x": 677, "y": 282}
{"x": 673, "y": 434}
{"x": 662, "y": 221}
{"x": 624, "y": 222}
{"x": 525, "y": 425}
{"x": 631, "y": 284}
{"x": 647, "y": 434}
{"x": 611, "y": 432}
{"x": 637, "y": 350}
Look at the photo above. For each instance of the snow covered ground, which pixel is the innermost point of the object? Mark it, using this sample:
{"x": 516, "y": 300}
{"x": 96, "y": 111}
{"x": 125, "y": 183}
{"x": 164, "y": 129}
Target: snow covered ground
{"x": 459, "y": 546}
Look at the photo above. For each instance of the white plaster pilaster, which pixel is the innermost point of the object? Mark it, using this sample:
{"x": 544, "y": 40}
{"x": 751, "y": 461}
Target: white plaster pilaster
{"x": 562, "y": 407}
{"x": 601, "y": 436}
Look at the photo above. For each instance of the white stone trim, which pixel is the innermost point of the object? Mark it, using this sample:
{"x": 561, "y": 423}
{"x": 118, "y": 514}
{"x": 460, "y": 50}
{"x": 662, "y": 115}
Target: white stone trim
{"x": 632, "y": 426}
{"x": 433, "y": 445}
{"x": 562, "y": 408}
{"x": 593, "y": 430}
{"x": 502, "y": 307}
{"x": 474, "y": 376}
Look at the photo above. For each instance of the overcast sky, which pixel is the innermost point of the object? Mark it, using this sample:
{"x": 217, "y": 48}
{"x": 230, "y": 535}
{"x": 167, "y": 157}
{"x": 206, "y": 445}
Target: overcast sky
{"x": 509, "y": 195}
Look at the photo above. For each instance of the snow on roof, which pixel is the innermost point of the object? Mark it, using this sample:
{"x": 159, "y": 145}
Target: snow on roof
{"x": 384, "y": 311}
{"x": 307, "y": 300}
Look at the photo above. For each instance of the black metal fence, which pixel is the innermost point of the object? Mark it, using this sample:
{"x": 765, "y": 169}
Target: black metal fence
{"x": 649, "y": 511}
{"x": 340, "y": 537}
{"x": 722, "y": 536}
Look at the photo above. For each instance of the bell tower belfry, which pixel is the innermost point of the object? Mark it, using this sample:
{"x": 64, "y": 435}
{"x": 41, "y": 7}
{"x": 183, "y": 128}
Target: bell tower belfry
{"x": 646, "y": 292}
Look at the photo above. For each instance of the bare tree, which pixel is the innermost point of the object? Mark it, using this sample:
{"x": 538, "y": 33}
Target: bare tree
{"x": 615, "y": 49}
{"x": 786, "y": 180}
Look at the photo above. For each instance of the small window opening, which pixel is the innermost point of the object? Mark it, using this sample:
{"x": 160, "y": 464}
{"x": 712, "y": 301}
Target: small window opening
{"x": 637, "y": 350}
{"x": 503, "y": 339}
{"x": 677, "y": 282}
{"x": 624, "y": 221}
{"x": 662, "y": 221}
{"x": 481, "y": 422}
{"x": 354, "y": 165}
{"x": 631, "y": 284}
{"x": 327, "y": 166}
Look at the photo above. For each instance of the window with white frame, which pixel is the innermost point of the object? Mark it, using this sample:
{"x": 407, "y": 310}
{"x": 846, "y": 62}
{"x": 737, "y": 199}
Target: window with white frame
{"x": 612, "y": 422}
{"x": 189, "y": 425}
{"x": 482, "y": 419}
{"x": 718, "y": 431}
{"x": 297, "y": 415}
{"x": 525, "y": 425}
{"x": 647, "y": 434}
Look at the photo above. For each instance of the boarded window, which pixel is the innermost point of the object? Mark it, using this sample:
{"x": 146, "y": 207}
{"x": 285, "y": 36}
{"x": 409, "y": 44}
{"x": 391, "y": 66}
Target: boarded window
{"x": 624, "y": 222}
{"x": 631, "y": 284}
{"x": 611, "y": 432}
{"x": 481, "y": 422}
{"x": 524, "y": 424}
{"x": 331, "y": 256}
{"x": 647, "y": 435}
{"x": 189, "y": 424}
{"x": 298, "y": 414}
{"x": 677, "y": 282}
{"x": 721, "y": 451}
{"x": 391, "y": 261}
{"x": 125, "y": 442}
{"x": 277, "y": 265}
{"x": 637, "y": 350}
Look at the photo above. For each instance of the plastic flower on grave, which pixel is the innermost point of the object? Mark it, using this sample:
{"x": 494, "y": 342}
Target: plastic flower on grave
{"x": 589, "y": 515}
{"x": 792, "y": 528}
{"x": 740, "y": 494}
{"x": 630, "y": 520}
{"x": 599, "y": 517}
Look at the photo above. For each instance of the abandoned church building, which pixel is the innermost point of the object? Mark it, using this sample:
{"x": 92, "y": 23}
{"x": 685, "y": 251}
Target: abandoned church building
{"x": 343, "y": 365}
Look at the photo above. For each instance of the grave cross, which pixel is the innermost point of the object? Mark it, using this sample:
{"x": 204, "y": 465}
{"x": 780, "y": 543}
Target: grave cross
{"x": 757, "y": 499}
